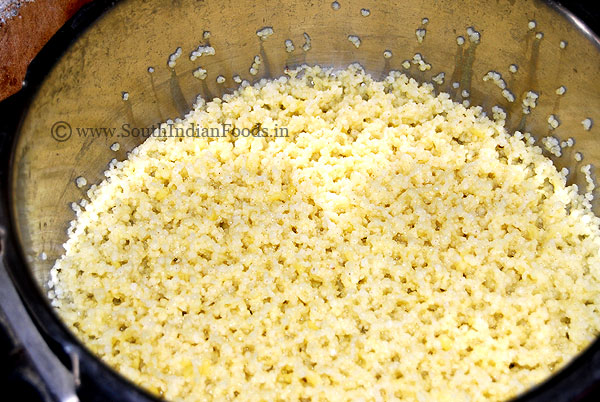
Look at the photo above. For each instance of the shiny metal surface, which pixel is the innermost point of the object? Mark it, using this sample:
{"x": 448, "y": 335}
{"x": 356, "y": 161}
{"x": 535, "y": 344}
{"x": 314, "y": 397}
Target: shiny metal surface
{"x": 85, "y": 88}
{"x": 61, "y": 382}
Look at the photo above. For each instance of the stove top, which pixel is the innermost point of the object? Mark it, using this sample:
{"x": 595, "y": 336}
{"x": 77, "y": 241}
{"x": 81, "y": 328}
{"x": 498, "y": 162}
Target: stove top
{"x": 18, "y": 379}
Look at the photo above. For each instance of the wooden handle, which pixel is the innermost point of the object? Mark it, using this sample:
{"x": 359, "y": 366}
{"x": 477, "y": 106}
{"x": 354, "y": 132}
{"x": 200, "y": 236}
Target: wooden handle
{"x": 24, "y": 35}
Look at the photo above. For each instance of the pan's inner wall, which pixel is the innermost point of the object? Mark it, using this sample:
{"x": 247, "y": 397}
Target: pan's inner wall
{"x": 67, "y": 131}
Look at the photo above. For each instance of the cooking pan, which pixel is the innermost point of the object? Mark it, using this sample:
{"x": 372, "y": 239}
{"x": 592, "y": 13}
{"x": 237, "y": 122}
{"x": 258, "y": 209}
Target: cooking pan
{"x": 108, "y": 67}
